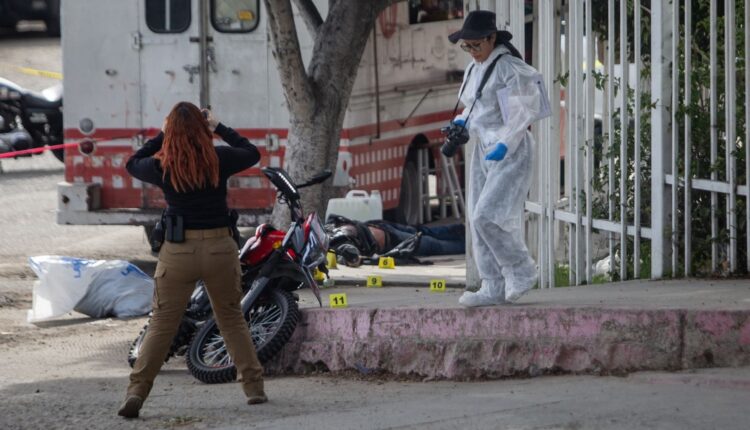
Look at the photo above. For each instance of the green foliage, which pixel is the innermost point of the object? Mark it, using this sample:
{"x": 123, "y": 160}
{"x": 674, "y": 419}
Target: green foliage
{"x": 608, "y": 156}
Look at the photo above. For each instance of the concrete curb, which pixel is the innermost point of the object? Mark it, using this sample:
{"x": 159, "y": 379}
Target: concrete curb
{"x": 494, "y": 342}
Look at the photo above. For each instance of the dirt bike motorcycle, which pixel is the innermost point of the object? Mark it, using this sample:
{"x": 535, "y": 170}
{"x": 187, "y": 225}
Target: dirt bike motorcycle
{"x": 274, "y": 264}
{"x": 30, "y": 120}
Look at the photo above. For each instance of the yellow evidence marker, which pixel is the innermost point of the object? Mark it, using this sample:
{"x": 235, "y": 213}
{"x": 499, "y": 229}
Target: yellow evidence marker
{"x": 331, "y": 260}
{"x": 374, "y": 281}
{"x": 386, "y": 263}
{"x": 437, "y": 285}
{"x": 337, "y": 300}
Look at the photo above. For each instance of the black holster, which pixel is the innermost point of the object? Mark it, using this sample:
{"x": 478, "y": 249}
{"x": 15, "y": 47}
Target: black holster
{"x": 156, "y": 239}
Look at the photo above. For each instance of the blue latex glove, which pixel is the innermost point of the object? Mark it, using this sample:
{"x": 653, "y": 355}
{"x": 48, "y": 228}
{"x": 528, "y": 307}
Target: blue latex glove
{"x": 498, "y": 153}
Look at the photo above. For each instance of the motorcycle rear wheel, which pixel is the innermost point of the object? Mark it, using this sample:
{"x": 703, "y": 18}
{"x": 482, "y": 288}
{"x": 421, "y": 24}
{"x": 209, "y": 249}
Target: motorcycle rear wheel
{"x": 271, "y": 320}
{"x": 184, "y": 333}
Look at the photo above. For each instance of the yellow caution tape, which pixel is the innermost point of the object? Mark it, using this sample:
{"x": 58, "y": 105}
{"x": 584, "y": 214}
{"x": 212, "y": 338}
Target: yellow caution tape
{"x": 42, "y": 73}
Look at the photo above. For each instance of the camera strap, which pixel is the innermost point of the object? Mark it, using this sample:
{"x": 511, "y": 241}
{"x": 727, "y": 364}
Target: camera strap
{"x": 482, "y": 83}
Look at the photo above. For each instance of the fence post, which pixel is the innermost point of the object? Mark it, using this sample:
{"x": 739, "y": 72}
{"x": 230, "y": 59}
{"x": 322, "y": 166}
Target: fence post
{"x": 661, "y": 41}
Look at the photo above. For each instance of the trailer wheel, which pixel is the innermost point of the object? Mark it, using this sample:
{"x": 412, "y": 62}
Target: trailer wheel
{"x": 407, "y": 211}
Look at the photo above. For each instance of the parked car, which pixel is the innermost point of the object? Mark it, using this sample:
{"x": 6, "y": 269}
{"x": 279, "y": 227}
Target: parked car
{"x": 12, "y": 11}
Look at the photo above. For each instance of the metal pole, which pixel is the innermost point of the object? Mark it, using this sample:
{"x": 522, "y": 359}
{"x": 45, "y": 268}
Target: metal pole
{"x": 580, "y": 136}
{"x": 714, "y": 136}
{"x": 569, "y": 140}
{"x": 544, "y": 25}
{"x": 730, "y": 29}
{"x": 589, "y": 156}
{"x": 611, "y": 125}
{"x": 688, "y": 127}
{"x": 637, "y": 133}
{"x": 554, "y": 143}
{"x": 205, "y": 95}
{"x": 675, "y": 133}
{"x": 624, "y": 140}
{"x": 660, "y": 55}
{"x": 573, "y": 99}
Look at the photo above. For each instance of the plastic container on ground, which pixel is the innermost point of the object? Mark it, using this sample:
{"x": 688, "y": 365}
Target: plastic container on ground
{"x": 357, "y": 205}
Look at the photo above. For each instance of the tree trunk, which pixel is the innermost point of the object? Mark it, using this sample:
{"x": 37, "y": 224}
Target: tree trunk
{"x": 318, "y": 97}
{"x": 312, "y": 146}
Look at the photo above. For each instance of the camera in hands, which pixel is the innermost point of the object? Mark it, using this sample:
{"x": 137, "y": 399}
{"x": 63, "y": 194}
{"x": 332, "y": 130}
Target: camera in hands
{"x": 456, "y": 134}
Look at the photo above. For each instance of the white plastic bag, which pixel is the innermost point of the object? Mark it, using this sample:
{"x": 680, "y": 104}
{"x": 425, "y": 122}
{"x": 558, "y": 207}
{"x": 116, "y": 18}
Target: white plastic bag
{"x": 98, "y": 288}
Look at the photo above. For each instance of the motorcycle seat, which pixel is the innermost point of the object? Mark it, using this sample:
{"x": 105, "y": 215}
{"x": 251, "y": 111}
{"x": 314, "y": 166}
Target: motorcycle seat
{"x": 49, "y": 98}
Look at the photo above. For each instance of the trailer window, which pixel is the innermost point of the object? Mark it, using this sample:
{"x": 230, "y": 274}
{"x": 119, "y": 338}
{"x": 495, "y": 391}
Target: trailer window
{"x": 235, "y": 16}
{"x": 435, "y": 10}
{"x": 168, "y": 16}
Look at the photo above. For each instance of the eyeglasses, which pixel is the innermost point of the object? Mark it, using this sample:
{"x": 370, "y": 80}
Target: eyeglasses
{"x": 468, "y": 47}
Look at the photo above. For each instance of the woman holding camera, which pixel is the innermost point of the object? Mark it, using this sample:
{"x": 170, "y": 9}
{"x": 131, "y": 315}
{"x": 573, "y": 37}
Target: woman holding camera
{"x": 502, "y": 96}
{"x": 193, "y": 174}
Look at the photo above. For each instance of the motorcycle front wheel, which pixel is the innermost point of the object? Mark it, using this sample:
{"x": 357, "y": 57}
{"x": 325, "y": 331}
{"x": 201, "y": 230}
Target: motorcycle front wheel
{"x": 271, "y": 321}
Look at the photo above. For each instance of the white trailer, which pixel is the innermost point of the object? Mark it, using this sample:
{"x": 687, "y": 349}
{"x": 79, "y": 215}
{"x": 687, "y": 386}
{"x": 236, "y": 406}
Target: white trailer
{"x": 126, "y": 63}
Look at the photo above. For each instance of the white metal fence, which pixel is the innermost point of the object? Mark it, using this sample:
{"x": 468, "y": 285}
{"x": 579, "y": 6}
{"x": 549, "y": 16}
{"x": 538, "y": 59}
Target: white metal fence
{"x": 646, "y": 197}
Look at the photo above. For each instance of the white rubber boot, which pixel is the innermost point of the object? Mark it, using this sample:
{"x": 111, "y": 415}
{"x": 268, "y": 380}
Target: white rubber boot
{"x": 491, "y": 293}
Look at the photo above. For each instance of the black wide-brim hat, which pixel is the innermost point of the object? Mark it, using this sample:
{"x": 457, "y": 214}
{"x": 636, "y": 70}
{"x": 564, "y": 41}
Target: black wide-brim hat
{"x": 478, "y": 25}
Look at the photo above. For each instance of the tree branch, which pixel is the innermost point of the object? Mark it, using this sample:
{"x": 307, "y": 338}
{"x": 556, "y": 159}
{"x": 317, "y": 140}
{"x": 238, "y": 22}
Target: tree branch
{"x": 310, "y": 15}
{"x": 286, "y": 51}
{"x": 335, "y": 59}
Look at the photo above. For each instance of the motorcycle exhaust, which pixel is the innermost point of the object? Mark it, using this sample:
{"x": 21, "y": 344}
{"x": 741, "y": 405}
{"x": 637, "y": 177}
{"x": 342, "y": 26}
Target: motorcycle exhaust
{"x": 17, "y": 140}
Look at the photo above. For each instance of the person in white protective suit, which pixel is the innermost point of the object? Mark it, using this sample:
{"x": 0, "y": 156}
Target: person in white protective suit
{"x": 497, "y": 114}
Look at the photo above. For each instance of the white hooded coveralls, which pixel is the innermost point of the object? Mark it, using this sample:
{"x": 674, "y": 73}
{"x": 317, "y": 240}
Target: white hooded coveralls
{"x": 513, "y": 98}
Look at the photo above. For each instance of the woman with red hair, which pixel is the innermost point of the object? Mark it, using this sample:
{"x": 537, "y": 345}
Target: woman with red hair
{"x": 193, "y": 174}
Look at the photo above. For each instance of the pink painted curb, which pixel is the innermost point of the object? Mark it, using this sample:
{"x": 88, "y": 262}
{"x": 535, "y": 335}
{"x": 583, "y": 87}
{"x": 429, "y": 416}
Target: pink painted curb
{"x": 496, "y": 342}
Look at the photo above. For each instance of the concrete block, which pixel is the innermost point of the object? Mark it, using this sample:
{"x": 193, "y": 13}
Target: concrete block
{"x": 494, "y": 342}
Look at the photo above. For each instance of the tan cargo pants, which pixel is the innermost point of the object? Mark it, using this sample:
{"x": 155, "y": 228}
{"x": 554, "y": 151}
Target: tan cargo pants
{"x": 210, "y": 255}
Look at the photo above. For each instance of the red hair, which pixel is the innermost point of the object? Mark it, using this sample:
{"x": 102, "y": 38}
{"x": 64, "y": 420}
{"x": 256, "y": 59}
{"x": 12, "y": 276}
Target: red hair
{"x": 187, "y": 154}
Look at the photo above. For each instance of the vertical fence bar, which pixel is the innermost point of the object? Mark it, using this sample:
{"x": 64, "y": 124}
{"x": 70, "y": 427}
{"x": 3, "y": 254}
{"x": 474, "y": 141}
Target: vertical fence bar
{"x": 714, "y": 135}
{"x": 542, "y": 53}
{"x": 730, "y": 28}
{"x": 675, "y": 133}
{"x": 688, "y": 127}
{"x": 624, "y": 141}
{"x": 554, "y": 145}
{"x": 747, "y": 132}
{"x": 589, "y": 155}
{"x": 576, "y": 143}
{"x": 660, "y": 54}
{"x": 611, "y": 126}
{"x": 580, "y": 141}
{"x": 637, "y": 134}
{"x": 569, "y": 145}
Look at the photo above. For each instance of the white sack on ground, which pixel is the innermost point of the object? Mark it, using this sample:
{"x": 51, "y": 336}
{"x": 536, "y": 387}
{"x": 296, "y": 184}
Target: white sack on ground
{"x": 98, "y": 288}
